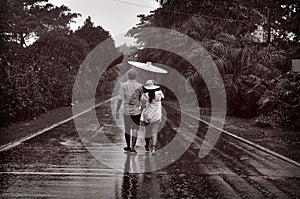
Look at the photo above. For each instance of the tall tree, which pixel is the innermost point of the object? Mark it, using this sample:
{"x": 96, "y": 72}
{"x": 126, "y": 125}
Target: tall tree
{"x": 92, "y": 34}
{"x": 34, "y": 17}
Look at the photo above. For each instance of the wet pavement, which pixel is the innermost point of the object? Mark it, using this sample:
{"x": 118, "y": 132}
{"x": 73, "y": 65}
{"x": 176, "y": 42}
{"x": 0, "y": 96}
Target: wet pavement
{"x": 62, "y": 164}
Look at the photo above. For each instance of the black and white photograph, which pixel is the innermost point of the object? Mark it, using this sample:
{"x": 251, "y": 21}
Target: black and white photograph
{"x": 150, "y": 99}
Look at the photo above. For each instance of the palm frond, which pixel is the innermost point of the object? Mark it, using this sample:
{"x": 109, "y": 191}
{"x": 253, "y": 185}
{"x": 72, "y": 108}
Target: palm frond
{"x": 194, "y": 77}
{"x": 262, "y": 71}
{"x": 257, "y": 90}
{"x": 218, "y": 48}
{"x": 228, "y": 39}
{"x": 266, "y": 101}
{"x": 232, "y": 85}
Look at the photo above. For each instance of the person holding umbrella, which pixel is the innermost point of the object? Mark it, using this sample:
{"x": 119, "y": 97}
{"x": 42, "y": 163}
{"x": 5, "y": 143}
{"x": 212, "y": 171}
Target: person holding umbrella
{"x": 148, "y": 91}
{"x": 152, "y": 111}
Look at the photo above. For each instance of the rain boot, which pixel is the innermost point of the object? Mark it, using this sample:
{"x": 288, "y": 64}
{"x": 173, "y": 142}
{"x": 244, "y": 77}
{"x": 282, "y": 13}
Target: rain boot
{"x": 147, "y": 140}
{"x": 134, "y": 139}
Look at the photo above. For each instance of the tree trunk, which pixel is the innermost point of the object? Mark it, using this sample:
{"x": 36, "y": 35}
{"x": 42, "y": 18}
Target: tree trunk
{"x": 269, "y": 25}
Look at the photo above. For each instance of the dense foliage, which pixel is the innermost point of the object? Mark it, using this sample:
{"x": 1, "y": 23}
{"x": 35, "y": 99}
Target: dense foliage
{"x": 257, "y": 76}
{"x": 40, "y": 57}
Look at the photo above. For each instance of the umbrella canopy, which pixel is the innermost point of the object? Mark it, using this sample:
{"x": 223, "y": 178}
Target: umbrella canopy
{"x": 147, "y": 66}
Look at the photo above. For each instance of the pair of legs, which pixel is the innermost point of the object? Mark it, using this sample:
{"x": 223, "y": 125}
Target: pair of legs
{"x": 151, "y": 132}
{"x": 131, "y": 122}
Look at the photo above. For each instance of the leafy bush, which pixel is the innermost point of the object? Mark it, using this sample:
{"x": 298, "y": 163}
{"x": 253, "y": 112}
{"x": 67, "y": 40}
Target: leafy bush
{"x": 283, "y": 100}
{"x": 41, "y": 76}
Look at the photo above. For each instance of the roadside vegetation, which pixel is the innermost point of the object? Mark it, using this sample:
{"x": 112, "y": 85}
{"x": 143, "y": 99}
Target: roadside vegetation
{"x": 40, "y": 56}
{"x": 257, "y": 75}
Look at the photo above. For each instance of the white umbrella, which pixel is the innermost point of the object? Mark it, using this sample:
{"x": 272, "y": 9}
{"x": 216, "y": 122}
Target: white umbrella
{"x": 147, "y": 66}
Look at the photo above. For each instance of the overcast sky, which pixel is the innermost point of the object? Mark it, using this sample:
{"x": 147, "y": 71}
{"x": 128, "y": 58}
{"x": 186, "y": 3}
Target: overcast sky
{"x": 115, "y": 17}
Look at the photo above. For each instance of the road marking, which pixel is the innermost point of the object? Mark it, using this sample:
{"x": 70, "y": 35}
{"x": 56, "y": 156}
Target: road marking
{"x": 59, "y": 173}
{"x": 13, "y": 144}
{"x": 106, "y": 172}
{"x": 77, "y": 169}
{"x": 243, "y": 140}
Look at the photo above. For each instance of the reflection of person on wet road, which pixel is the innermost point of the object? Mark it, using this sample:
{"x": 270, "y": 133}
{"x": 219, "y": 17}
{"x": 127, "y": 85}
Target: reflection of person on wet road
{"x": 138, "y": 182}
{"x": 152, "y": 111}
{"x": 132, "y": 111}
{"x": 130, "y": 181}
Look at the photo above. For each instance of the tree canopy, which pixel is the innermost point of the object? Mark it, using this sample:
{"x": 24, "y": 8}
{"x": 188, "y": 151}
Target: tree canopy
{"x": 29, "y": 18}
{"x": 41, "y": 55}
{"x": 252, "y": 72}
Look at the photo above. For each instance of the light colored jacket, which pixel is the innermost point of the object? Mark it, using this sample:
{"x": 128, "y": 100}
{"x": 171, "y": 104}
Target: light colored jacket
{"x": 152, "y": 111}
{"x": 125, "y": 93}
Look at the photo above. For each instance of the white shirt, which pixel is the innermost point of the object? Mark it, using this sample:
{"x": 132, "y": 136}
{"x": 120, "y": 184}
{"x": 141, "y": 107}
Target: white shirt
{"x": 152, "y": 111}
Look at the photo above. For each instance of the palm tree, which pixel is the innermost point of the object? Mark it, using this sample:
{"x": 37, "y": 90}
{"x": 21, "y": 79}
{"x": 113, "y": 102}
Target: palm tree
{"x": 248, "y": 71}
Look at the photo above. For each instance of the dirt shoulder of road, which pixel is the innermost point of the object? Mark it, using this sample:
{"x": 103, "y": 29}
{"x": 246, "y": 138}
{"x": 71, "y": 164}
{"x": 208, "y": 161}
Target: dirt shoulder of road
{"x": 26, "y": 128}
{"x": 283, "y": 141}
{"x": 23, "y": 129}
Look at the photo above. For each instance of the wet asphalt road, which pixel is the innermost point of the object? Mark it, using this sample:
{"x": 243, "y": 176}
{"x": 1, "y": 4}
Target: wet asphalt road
{"x": 60, "y": 164}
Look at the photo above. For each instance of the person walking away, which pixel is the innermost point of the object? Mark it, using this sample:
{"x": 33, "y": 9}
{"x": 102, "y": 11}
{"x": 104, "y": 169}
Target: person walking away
{"x": 132, "y": 112}
{"x": 152, "y": 111}
{"x": 136, "y": 98}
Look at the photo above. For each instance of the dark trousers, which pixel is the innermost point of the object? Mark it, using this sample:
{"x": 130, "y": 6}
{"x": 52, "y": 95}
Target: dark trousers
{"x": 130, "y": 122}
